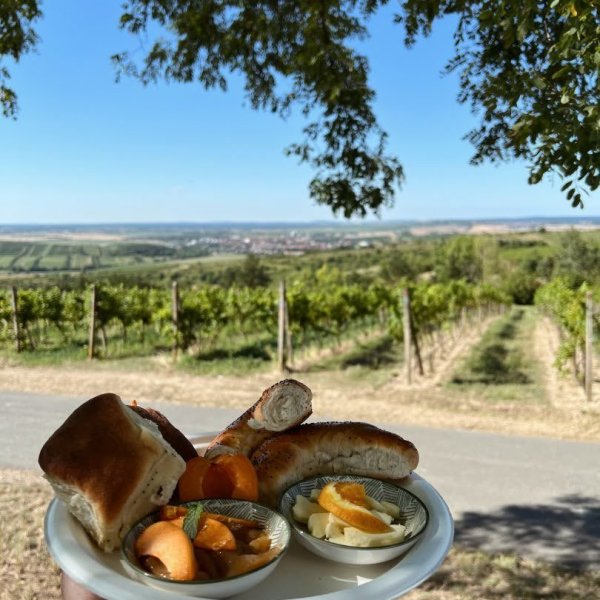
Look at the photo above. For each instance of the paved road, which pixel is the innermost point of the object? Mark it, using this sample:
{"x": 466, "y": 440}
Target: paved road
{"x": 537, "y": 497}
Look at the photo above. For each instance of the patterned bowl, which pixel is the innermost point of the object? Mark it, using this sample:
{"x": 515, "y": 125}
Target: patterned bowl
{"x": 413, "y": 515}
{"x": 277, "y": 527}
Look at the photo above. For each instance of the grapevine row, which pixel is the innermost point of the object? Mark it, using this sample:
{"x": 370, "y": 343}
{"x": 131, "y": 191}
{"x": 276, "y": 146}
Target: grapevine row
{"x": 208, "y": 311}
{"x": 566, "y": 306}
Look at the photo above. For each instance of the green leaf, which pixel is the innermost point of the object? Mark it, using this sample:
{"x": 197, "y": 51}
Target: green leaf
{"x": 190, "y": 522}
{"x": 566, "y": 185}
{"x": 561, "y": 72}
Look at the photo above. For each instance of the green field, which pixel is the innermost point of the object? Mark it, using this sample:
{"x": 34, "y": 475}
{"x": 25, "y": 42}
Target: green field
{"x": 46, "y": 257}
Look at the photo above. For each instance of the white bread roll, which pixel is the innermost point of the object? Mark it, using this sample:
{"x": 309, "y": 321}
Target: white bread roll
{"x": 280, "y": 407}
{"x": 314, "y": 449}
{"x": 111, "y": 467}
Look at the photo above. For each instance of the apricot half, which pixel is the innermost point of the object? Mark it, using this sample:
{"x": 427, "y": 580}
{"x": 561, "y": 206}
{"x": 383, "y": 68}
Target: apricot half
{"x": 170, "y": 545}
{"x": 203, "y": 479}
{"x": 241, "y": 473}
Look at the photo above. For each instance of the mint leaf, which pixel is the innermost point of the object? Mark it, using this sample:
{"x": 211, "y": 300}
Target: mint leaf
{"x": 190, "y": 521}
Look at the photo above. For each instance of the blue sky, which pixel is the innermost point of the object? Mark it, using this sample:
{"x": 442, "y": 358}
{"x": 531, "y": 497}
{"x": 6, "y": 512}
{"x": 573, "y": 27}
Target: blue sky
{"x": 85, "y": 149}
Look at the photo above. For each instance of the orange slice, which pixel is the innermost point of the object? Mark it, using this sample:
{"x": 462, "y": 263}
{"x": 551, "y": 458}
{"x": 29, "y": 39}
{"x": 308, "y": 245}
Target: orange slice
{"x": 171, "y": 546}
{"x": 214, "y": 535}
{"x": 353, "y": 492}
{"x": 356, "y": 515}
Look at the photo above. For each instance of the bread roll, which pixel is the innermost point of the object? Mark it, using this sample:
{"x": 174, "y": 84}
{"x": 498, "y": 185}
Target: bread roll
{"x": 314, "y": 449}
{"x": 110, "y": 466}
{"x": 280, "y": 407}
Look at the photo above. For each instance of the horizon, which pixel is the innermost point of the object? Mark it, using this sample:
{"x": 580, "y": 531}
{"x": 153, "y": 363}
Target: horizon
{"x": 327, "y": 222}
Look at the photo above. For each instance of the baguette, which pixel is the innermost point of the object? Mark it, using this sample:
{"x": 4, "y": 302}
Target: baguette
{"x": 282, "y": 406}
{"x": 110, "y": 466}
{"x": 314, "y": 449}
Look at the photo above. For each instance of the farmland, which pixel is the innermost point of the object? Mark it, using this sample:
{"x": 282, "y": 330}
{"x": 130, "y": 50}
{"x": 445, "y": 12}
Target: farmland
{"x": 143, "y": 254}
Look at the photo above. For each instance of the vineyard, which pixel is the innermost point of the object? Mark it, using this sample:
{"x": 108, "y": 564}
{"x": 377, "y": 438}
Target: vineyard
{"x": 112, "y": 298}
{"x": 211, "y": 321}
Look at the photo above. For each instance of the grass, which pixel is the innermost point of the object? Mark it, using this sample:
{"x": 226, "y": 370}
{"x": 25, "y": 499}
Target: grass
{"x": 28, "y": 573}
{"x": 52, "y": 261}
{"x": 502, "y": 366}
{"x": 371, "y": 354}
{"x": 474, "y": 575}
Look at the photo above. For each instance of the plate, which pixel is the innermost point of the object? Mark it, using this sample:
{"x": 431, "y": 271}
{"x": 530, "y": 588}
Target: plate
{"x": 102, "y": 573}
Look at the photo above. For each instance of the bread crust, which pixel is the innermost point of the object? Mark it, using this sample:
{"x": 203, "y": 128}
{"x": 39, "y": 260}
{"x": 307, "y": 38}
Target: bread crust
{"x": 348, "y": 448}
{"x": 280, "y": 407}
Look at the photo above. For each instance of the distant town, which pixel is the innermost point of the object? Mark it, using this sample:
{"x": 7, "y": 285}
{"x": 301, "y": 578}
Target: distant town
{"x": 205, "y": 239}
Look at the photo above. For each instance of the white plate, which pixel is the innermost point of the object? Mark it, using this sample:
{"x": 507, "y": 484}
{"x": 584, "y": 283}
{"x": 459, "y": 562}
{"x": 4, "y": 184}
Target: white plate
{"x": 300, "y": 575}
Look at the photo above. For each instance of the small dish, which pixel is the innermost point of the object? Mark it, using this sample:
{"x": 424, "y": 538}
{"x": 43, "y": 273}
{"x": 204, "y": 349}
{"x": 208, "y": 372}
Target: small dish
{"x": 275, "y": 524}
{"x": 413, "y": 515}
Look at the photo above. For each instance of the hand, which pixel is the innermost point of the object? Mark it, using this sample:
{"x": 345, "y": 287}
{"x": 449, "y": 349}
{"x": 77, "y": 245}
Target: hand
{"x": 75, "y": 591}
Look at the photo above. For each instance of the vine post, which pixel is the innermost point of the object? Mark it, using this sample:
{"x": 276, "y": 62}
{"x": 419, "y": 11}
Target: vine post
{"x": 589, "y": 339}
{"x": 407, "y": 333}
{"x": 288, "y": 335}
{"x": 175, "y": 316}
{"x": 15, "y": 317}
{"x": 282, "y": 328}
{"x": 415, "y": 340}
{"x": 92, "y": 329}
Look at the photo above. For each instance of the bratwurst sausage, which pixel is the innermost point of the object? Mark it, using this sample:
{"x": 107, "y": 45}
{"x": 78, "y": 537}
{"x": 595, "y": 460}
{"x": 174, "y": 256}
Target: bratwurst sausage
{"x": 347, "y": 448}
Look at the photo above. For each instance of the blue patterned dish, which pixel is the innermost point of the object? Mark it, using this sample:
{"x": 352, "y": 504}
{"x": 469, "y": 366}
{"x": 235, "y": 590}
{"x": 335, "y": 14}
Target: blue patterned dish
{"x": 277, "y": 527}
{"x": 413, "y": 515}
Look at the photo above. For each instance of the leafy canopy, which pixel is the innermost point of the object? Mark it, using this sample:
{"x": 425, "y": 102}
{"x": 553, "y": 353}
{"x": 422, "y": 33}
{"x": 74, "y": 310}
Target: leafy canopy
{"x": 528, "y": 68}
{"x": 17, "y": 37}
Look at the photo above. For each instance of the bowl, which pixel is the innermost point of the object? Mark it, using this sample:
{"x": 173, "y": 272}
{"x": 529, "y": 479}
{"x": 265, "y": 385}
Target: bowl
{"x": 275, "y": 524}
{"x": 413, "y": 515}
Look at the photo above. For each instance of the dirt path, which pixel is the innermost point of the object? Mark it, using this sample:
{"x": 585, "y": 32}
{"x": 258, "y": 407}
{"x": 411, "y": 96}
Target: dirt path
{"x": 446, "y": 357}
{"x": 562, "y": 390}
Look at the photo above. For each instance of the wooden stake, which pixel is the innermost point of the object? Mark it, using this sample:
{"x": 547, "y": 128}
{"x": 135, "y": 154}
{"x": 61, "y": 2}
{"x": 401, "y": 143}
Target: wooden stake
{"x": 281, "y": 358}
{"x": 407, "y": 330}
{"x": 175, "y": 316}
{"x": 415, "y": 340}
{"x": 589, "y": 347}
{"x": 92, "y": 329}
{"x": 15, "y": 317}
{"x": 288, "y": 335}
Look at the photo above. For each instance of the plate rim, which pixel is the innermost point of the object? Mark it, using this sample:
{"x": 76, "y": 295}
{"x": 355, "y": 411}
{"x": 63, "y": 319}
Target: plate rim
{"x": 115, "y": 586}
